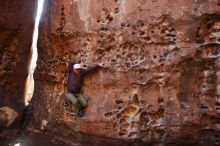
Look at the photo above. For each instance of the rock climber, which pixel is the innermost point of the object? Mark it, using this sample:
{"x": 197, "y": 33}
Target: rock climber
{"x": 74, "y": 85}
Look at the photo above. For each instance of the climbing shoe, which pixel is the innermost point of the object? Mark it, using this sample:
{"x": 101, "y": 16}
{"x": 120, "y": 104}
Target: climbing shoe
{"x": 81, "y": 113}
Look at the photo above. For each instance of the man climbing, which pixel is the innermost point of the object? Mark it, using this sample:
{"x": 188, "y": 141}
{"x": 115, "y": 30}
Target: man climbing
{"x": 74, "y": 85}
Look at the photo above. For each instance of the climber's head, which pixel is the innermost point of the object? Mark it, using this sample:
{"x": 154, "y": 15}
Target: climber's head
{"x": 77, "y": 68}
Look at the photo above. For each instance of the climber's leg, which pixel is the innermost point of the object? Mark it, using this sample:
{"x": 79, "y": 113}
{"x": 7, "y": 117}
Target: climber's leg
{"x": 82, "y": 101}
{"x": 82, "y": 104}
{"x": 73, "y": 99}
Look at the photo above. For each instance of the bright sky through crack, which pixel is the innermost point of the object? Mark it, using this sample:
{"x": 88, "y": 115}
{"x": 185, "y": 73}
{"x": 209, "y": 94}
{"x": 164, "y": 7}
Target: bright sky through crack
{"x": 29, "y": 89}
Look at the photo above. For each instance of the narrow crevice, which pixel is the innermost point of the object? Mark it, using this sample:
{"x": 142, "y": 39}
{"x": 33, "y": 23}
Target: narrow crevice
{"x": 29, "y": 87}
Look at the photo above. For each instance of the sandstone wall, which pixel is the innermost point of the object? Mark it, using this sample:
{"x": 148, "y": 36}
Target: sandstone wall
{"x": 159, "y": 75}
{"x": 16, "y": 28}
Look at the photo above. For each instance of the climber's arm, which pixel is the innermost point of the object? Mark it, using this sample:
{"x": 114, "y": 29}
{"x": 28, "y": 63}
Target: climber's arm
{"x": 70, "y": 65}
{"x": 90, "y": 69}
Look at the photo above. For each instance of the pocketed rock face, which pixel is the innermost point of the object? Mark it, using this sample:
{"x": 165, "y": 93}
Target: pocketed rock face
{"x": 159, "y": 78}
{"x": 16, "y": 29}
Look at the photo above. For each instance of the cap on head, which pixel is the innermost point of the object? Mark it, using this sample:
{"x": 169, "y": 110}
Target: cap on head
{"x": 77, "y": 66}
